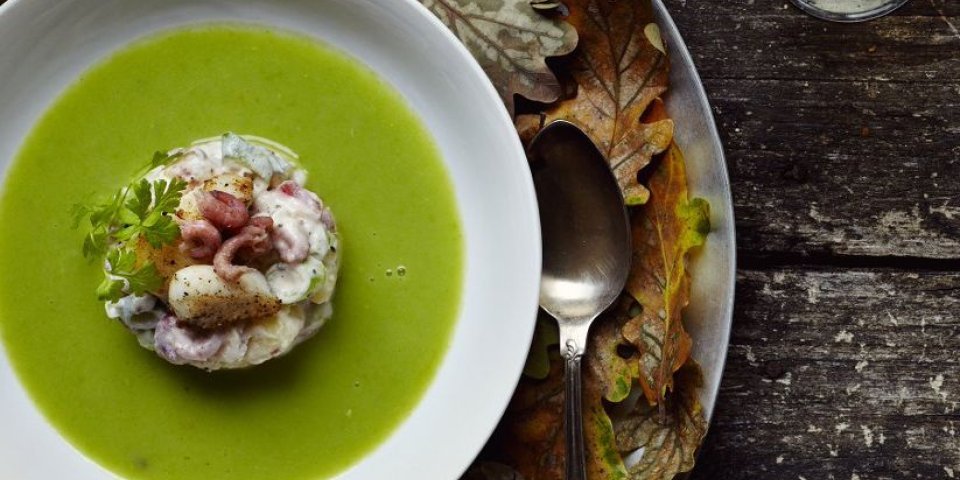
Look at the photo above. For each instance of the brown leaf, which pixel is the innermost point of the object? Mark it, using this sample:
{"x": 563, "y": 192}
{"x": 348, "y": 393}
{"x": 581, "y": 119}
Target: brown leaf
{"x": 655, "y": 112}
{"x": 664, "y": 231}
{"x": 603, "y": 459}
{"x": 610, "y": 357}
{"x": 530, "y": 437}
{"x": 620, "y": 67}
{"x": 511, "y": 41}
{"x": 670, "y": 439}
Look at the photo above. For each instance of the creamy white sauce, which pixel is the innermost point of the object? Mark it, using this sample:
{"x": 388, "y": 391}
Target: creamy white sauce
{"x": 138, "y": 312}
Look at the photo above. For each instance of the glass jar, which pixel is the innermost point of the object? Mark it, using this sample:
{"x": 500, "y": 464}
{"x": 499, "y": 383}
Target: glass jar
{"x": 848, "y": 10}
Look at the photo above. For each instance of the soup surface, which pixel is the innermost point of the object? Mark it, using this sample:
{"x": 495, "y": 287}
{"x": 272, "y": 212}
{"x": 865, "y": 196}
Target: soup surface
{"x": 333, "y": 399}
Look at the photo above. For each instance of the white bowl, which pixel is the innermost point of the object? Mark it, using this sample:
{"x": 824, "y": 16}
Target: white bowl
{"x": 45, "y": 44}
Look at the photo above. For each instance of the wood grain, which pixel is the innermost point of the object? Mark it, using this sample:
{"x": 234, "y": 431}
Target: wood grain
{"x": 841, "y": 139}
{"x": 840, "y": 374}
{"x": 843, "y": 146}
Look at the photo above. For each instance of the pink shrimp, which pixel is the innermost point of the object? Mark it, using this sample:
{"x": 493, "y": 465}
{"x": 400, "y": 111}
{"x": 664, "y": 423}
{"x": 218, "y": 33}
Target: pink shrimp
{"x": 200, "y": 239}
{"x": 182, "y": 345}
{"x": 223, "y": 210}
{"x": 254, "y": 236}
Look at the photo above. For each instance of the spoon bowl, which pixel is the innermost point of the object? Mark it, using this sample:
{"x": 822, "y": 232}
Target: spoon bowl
{"x": 586, "y": 252}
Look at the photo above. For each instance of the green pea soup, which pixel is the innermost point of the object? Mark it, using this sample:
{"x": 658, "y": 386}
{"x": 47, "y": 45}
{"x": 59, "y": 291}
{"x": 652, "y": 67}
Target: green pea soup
{"x": 309, "y": 414}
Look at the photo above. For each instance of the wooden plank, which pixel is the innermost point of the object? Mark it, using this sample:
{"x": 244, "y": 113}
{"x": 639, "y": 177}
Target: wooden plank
{"x": 853, "y": 168}
{"x": 749, "y": 8}
{"x": 841, "y": 139}
{"x": 840, "y": 374}
{"x": 767, "y": 41}
{"x": 792, "y": 47}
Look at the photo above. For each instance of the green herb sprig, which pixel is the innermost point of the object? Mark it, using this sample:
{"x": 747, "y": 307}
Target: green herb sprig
{"x": 164, "y": 158}
{"x": 148, "y": 211}
{"x": 124, "y": 273}
{"x": 141, "y": 208}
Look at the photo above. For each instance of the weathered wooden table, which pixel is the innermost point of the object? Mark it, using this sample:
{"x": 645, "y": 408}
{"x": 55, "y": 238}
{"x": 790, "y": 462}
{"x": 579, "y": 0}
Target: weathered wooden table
{"x": 843, "y": 144}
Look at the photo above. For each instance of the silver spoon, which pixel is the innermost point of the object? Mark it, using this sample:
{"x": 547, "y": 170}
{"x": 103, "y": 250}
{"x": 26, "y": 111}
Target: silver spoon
{"x": 586, "y": 253}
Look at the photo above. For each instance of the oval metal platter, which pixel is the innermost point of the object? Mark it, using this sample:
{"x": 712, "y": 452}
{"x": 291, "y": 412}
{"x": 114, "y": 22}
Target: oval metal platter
{"x": 713, "y": 268}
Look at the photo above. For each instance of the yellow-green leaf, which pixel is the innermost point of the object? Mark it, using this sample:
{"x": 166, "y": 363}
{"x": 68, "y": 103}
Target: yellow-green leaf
{"x": 610, "y": 357}
{"x": 602, "y": 455}
{"x": 530, "y": 437}
{"x": 664, "y": 231}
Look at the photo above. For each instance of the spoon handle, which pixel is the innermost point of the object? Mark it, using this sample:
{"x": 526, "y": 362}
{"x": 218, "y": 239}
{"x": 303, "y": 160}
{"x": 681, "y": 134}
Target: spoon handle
{"x": 573, "y": 338}
{"x": 573, "y": 420}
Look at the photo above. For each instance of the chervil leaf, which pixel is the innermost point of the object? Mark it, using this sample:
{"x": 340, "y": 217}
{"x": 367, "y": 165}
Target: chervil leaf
{"x": 121, "y": 261}
{"x": 139, "y": 204}
{"x": 110, "y": 290}
{"x": 95, "y": 243}
{"x": 145, "y": 280}
{"x": 123, "y": 264}
{"x": 78, "y": 212}
{"x": 140, "y": 208}
{"x": 163, "y": 231}
{"x": 147, "y": 212}
{"x": 167, "y": 195}
{"x": 102, "y": 220}
{"x": 127, "y": 233}
{"x": 105, "y": 214}
{"x": 127, "y": 216}
{"x": 163, "y": 158}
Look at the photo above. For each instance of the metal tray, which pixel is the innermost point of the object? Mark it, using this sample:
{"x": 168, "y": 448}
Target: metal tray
{"x": 713, "y": 268}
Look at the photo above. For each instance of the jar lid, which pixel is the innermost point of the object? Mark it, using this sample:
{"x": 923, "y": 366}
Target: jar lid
{"x": 848, "y": 11}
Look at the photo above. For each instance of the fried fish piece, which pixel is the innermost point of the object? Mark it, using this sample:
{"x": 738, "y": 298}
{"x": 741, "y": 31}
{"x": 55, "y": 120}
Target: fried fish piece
{"x": 200, "y": 297}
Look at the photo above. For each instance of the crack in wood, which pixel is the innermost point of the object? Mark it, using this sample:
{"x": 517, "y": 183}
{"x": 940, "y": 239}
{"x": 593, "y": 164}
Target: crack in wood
{"x": 779, "y": 260}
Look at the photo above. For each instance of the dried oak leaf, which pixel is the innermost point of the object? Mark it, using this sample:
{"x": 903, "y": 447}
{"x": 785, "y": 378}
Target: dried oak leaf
{"x": 530, "y": 436}
{"x": 669, "y": 438}
{"x": 620, "y": 67}
{"x": 610, "y": 357}
{"x": 511, "y": 41}
{"x": 602, "y": 453}
{"x": 664, "y": 232}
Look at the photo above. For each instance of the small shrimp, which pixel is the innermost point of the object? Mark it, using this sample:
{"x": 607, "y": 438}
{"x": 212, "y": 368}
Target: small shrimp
{"x": 201, "y": 239}
{"x": 181, "y": 345}
{"x": 224, "y": 210}
{"x": 254, "y": 236}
